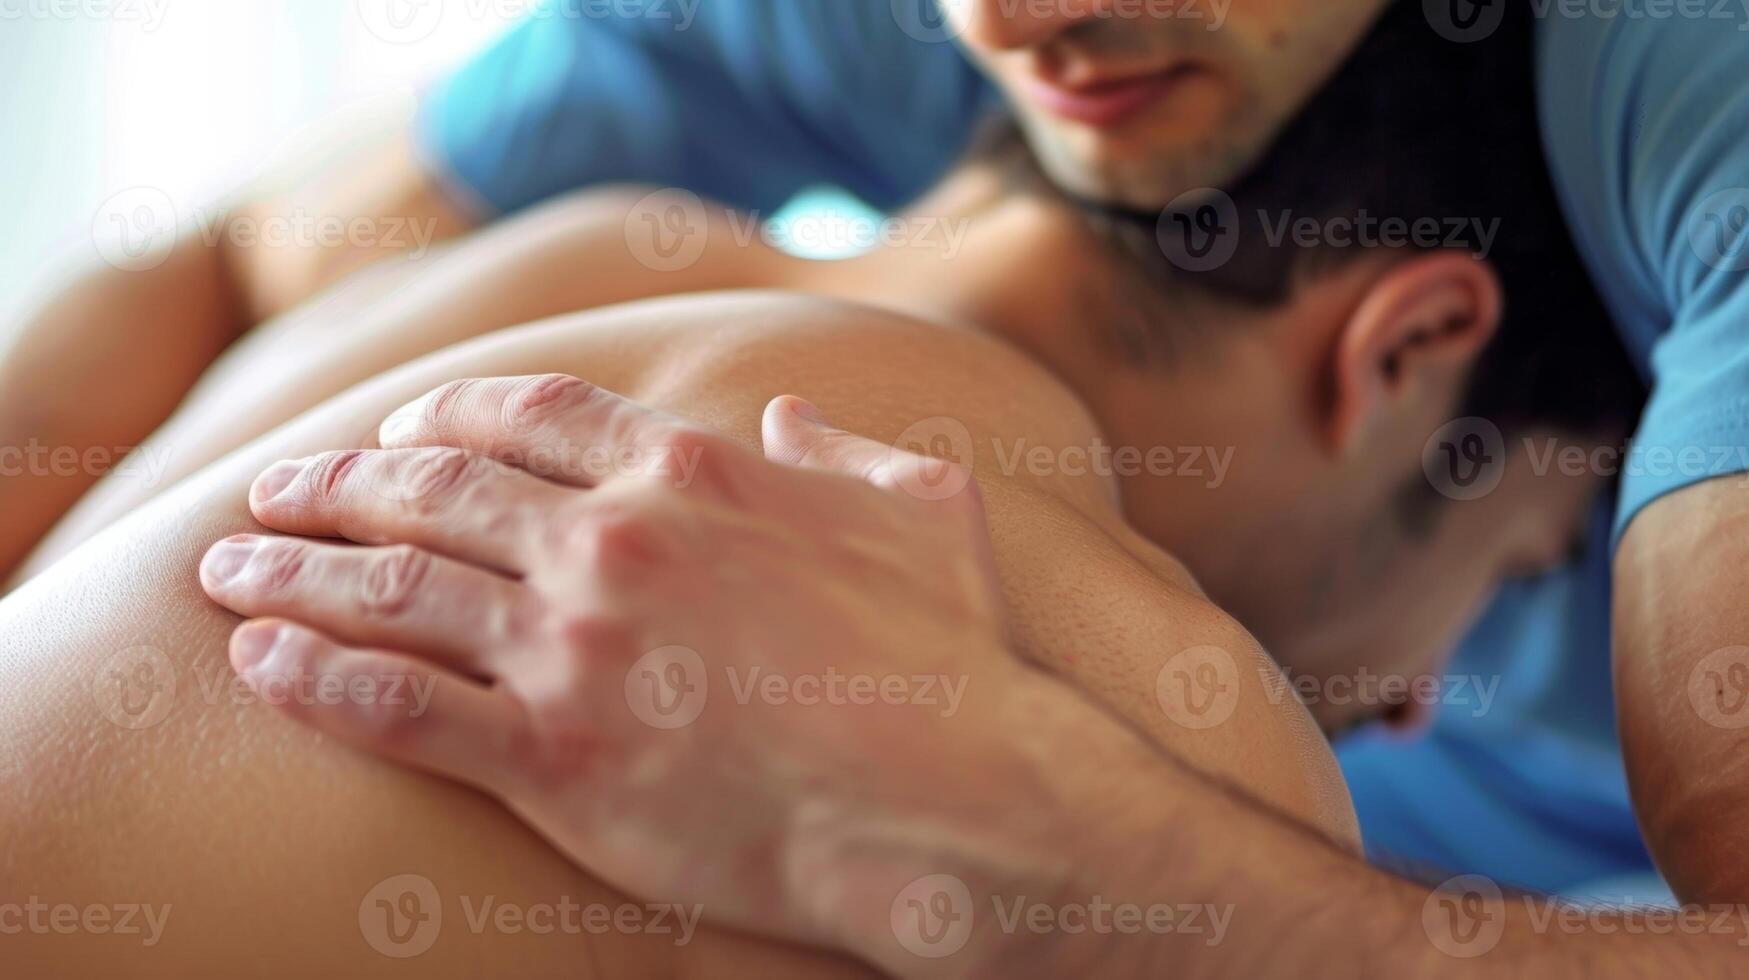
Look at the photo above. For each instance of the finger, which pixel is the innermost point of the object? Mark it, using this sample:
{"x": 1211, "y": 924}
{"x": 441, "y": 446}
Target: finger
{"x": 795, "y": 433}
{"x": 553, "y": 426}
{"x": 386, "y": 703}
{"x": 402, "y": 597}
{"x": 445, "y": 500}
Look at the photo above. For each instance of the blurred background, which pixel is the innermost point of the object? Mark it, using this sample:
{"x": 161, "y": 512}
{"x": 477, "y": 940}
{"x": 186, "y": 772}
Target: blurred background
{"x": 188, "y": 96}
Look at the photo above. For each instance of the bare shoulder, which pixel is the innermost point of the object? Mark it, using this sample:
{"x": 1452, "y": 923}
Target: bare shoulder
{"x": 942, "y": 390}
{"x": 1090, "y": 599}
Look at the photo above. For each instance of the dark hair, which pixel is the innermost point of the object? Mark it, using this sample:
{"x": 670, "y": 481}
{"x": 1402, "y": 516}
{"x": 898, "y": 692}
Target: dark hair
{"x": 1414, "y": 126}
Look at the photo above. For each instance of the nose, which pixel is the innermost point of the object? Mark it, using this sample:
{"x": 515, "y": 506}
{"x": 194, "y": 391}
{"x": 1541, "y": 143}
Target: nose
{"x": 1009, "y": 25}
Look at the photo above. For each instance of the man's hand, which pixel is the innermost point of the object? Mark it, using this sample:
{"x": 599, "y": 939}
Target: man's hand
{"x": 701, "y": 674}
{"x": 697, "y": 671}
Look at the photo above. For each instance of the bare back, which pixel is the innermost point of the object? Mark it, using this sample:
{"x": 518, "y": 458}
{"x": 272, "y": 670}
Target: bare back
{"x": 270, "y": 848}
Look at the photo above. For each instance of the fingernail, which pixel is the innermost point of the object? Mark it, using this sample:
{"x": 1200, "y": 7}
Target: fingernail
{"x": 252, "y": 644}
{"x": 396, "y": 430}
{"x": 808, "y": 410}
{"x": 400, "y": 428}
{"x": 273, "y": 482}
{"x": 225, "y": 560}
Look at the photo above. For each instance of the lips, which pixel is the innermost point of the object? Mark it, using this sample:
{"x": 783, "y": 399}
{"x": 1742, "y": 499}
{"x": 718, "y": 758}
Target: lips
{"x": 1106, "y": 103}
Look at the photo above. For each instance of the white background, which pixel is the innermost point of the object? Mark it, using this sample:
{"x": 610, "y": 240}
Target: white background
{"x": 191, "y": 96}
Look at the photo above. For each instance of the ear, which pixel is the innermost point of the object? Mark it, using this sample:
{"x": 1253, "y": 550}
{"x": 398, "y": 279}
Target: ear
{"x": 1414, "y": 335}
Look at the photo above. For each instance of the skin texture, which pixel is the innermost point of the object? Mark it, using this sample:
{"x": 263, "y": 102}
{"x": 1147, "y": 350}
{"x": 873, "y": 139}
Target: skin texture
{"x": 1062, "y": 545}
{"x": 1678, "y": 654}
{"x": 79, "y": 372}
{"x": 1308, "y": 565}
{"x": 111, "y": 819}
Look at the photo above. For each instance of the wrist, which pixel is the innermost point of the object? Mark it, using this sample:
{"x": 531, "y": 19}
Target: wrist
{"x": 1002, "y": 856}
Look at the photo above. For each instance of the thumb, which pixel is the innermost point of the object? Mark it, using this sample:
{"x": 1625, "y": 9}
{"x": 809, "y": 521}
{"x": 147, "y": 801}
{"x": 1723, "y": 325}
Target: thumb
{"x": 796, "y": 434}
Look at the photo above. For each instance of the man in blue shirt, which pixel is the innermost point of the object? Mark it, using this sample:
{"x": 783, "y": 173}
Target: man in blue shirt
{"x": 1643, "y": 120}
{"x": 1137, "y": 103}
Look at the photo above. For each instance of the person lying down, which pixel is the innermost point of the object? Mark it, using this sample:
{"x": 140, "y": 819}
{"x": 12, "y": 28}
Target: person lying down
{"x": 1054, "y": 327}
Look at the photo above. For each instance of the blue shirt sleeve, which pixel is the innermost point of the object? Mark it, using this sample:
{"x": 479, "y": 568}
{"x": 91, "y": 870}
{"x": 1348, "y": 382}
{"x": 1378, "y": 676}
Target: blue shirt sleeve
{"x": 746, "y": 101}
{"x": 1648, "y": 134}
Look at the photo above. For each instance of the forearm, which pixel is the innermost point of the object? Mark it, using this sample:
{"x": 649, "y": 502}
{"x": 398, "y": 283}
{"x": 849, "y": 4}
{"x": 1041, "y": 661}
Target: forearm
{"x": 1103, "y": 857}
{"x": 94, "y": 370}
{"x": 1680, "y": 688}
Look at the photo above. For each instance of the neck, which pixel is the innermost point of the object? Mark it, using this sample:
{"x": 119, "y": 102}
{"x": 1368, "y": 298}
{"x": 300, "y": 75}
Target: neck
{"x": 1003, "y": 263}
{"x": 1028, "y": 271}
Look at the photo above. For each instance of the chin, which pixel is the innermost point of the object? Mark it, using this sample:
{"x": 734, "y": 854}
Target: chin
{"x": 1123, "y": 169}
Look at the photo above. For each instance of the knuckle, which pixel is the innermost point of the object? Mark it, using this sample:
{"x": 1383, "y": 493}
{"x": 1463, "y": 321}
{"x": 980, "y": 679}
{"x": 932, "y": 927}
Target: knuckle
{"x": 445, "y": 404}
{"x": 620, "y": 540}
{"x": 689, "y": 457}
{"x": 538, "y": 400}
{"x": 518, "y": 622}
{"x": 591, "y": 638}
{"x": 298, "y": 656}
{"x": 393, "y": 580}
{"x": 609, "y": 538}
{"x": 566, "y": 748}
{"x": 385, "y": 720}
{"x": 329, "y": 475}
{"x": 435, "y": 477}
{"x": 277, "y": 565}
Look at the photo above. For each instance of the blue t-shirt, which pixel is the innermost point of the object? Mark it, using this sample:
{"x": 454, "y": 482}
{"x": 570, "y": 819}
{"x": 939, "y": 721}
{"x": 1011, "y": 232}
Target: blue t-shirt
{"x": 746, "y": 102}
{"x": 751, "y": 101}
